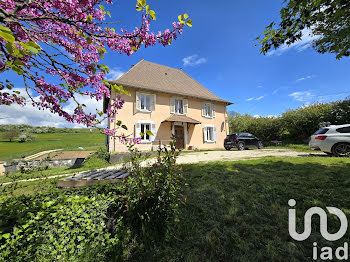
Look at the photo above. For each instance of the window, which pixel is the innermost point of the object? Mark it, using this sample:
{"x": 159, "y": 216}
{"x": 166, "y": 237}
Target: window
{"x": 145, "y": 102}
{"x": 210, "y": 135}
{"x": 179, "y": 106}
{"x": 322, "y": 131}
{"x": 146, "y": 137}
{"x": 344, "y": 130}
{"x": 208, "y": 110}
{"x": 141, "y": 128}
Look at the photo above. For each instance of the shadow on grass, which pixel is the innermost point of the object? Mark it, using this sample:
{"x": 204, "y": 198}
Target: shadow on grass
{"x": 238, "y": 211}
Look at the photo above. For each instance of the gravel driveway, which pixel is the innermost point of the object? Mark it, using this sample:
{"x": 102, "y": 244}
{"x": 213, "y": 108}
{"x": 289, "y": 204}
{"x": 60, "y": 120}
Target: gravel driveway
{"x": 234, "y": 155}
{"x": 205, "y": 156}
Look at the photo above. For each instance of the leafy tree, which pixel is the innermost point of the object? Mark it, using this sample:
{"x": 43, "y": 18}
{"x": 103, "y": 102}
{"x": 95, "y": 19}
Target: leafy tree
{"x": 11, "y": 133}
{"x": 66, "y": 40}
{"x": 327, "y": 19}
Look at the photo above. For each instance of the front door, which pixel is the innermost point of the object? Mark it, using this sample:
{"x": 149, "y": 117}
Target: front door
{"x": 179, "y": 136}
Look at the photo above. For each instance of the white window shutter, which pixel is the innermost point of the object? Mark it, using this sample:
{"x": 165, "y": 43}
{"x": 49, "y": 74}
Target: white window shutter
{"x": 205, "y": 134}
{"x": 172, "y": 105}
{"x": 185, "y": 106}
{"x": 153, "y": 102}
{"x": 138, "y": 101}
{"x": 137, "y": 130}
{"x": 215, "y": 133}
{"x": 203, "y": 109}
{"x": 213, "y": 110}
{"x": 154, "y": 132}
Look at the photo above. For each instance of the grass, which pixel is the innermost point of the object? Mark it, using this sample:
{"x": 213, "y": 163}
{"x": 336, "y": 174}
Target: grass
{"x": 295, "y": 147}
{"x": 67, "y": 141}
{"x": 238, "y": 211}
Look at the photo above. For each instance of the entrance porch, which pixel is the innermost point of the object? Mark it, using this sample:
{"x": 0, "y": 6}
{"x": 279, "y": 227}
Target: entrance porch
{"x": 180, "y": 126}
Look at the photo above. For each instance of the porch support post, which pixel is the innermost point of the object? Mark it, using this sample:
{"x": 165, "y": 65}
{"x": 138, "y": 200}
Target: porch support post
{"x": 185, "y": 135}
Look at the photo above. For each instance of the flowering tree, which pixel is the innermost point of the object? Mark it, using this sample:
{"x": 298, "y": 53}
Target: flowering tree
{"x": 66, "y": 40}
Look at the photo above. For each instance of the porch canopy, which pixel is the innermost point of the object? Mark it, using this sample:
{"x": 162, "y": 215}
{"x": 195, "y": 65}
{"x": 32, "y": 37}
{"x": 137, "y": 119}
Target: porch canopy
{"x": 180, "y": 118}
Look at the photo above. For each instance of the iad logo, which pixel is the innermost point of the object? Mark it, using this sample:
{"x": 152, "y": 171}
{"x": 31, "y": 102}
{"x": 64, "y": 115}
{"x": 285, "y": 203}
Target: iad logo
{"x": 326, "y": 252}
{"x": 323, "y": 222}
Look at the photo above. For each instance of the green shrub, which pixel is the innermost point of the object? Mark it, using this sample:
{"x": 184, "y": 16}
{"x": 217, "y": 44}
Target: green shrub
{"x": 294, "y": 126}
{"x": 97, "y": 223}
{"x": 103, "y": 153}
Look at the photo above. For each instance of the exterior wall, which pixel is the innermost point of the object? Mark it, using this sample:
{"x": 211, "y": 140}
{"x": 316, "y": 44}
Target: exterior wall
{"x": 129, "y": 116}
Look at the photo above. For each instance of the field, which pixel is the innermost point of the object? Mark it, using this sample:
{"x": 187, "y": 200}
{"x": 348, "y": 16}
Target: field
{"x": 67, "y": 141}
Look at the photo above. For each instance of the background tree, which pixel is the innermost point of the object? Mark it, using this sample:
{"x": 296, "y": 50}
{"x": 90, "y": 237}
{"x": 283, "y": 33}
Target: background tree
{"x": 11, "y": 133}
{"x": 326, "y": 19}
{"x": 66, "y": 40}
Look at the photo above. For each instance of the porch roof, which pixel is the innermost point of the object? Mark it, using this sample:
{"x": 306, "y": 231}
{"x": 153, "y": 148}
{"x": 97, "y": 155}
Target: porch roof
{"x": 181, "y": 118}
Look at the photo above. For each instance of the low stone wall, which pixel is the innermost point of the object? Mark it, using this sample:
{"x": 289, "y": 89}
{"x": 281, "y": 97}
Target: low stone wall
{"x": 10, "y": 167}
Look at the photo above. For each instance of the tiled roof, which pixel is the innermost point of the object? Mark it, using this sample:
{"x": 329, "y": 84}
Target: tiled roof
{"x": 150, "y": 76}
{"x": 181, "y": 118}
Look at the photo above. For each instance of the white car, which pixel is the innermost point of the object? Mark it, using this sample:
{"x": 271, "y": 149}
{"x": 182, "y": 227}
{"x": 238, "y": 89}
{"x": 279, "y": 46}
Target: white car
{"x": 333, "y": 140}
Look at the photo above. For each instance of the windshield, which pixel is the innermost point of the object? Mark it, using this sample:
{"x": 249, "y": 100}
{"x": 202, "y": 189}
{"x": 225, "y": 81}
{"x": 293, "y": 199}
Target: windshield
{"x": 321, "y": 131}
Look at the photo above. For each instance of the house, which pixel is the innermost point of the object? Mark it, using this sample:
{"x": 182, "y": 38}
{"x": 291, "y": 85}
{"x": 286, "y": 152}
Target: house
{"x": 168, "y": 102}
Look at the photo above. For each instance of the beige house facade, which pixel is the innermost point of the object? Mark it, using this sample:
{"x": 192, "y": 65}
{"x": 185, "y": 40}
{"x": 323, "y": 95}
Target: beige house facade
{"x": 170, "y": 104}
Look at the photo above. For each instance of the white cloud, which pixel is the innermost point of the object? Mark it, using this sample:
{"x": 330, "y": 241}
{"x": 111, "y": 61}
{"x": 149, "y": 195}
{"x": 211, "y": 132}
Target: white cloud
{"x": 255, "y": 98}
{"x": 114, "y": 73}
{"x": 305, "y": 78}
{"x": 16, "y": 114}
{"x": 304, "y": 43}
{"x": 193, "y": 60}
{"x": 302, "y": 96}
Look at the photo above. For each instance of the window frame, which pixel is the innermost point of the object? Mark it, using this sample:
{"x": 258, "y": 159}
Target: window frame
{"x": 143, "y": 138}
{"x": 145, "y": 100}
{"x": 183, "y": 106}
{"x": 210, "y": 130}
{"x": 208, "y": 107}
{"x": 339, "y": 130}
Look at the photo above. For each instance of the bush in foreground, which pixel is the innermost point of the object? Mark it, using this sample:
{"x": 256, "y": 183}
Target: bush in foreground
{"x": 100, "y": 223}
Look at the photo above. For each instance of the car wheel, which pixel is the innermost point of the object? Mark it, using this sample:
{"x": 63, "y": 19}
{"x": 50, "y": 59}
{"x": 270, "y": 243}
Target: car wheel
{"x": 260, "y": 145}
{"x": 241, "y": 146}
{"x": 341, "y": 149}
{"x": 227, "y": 148}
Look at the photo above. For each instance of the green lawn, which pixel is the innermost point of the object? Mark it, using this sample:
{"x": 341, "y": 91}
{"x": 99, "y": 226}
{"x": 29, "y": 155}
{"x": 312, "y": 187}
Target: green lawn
{"x": 238, "y": 211}
{"x": 67, "y": 141}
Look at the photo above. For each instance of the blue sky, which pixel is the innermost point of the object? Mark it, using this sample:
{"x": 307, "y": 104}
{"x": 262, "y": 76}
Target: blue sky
{"x": 219, "y": 51}
{"x": 221, "y": 47}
